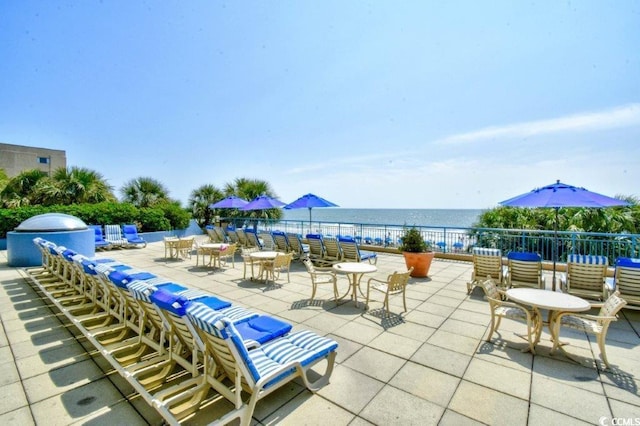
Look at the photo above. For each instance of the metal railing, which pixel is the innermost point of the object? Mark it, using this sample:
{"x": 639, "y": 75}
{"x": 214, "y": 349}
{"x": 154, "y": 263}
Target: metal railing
{"x": 462, "y": 240}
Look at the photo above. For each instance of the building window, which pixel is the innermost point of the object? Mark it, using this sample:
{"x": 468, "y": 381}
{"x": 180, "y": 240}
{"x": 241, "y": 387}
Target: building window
{"x": 43, "y": 160}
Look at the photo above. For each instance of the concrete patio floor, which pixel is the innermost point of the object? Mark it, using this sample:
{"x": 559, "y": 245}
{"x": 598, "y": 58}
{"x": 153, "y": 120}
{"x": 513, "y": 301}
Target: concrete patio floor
{"x": 430, "y": 366}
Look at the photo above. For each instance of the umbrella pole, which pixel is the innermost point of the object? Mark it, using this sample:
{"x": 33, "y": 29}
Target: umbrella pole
{"x": 310, "y": 231}
{"x": 555, "y": 249}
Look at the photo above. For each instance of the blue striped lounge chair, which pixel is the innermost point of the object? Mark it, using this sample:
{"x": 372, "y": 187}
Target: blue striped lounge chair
{"x": 113, "y": 235}
{"x": 487, "y": 263}
{"x": 626, "y": 280}
{"x": 586, "y": 276}
{"x": 261, "y": 370}
{"x": 131, "y": 234}
{"x": 299, "y": 249}
{"x": 281, "y": 241}
{"x": 100, "y": 242}
{"x": 316, "y": 249}
{"x": 524, "y": 269}
{"x": 351, "y": 252}
{"x": 253, "y": 330}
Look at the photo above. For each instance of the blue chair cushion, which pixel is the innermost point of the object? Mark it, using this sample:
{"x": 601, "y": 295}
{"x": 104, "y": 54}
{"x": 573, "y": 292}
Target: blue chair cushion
{"x": 628, "y": 262}
{"x": 524, "y": 256}
{"x": 171, "y": 287}
{"x": 171, "y": 302}
{"x": 214, "y": 303}
{"x": 122, "y": 278}
{"x": 262, "y": 329}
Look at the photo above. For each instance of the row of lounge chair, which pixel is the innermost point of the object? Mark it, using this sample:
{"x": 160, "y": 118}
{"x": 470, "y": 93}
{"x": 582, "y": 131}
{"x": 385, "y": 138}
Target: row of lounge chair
{"x": 116, "y": 236}
{"x": 322, "y": 251}
{"x": 586, "y": 276}
{"x": 181, "y": 349}
{"x": 328, "y": 251}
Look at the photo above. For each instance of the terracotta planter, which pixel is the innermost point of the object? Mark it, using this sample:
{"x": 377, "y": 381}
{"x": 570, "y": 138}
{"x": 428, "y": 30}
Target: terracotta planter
{"x": 421, "y": 263}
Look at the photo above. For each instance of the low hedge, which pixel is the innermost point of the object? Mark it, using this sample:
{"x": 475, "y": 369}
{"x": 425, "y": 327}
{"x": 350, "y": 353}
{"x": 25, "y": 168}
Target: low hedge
{"x": 163, "y": 217}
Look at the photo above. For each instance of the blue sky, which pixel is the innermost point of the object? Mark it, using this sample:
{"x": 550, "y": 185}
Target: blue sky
{"x": 411, "y": 104}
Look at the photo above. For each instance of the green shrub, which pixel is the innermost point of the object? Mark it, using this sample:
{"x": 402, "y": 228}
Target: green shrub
{"x": 178, "y": 217}
{"x": 153, "y": 219}
{"x": 160, "y": 218}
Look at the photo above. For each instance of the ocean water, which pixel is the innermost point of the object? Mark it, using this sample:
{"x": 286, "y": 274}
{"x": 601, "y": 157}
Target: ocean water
{"x": 450, "y": 218}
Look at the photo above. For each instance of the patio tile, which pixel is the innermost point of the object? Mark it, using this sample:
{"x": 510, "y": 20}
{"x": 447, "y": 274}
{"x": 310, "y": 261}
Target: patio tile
{"x": 374, "y": 363}
{"x": 442, "y": 359}
{"x": 625, "y": 392}
{"x": 60, "y": 380}
{"x": 121, "y": 413}
{"x": 326, "y": 321}
{"x": 44, "y": 361}
{"x": 463, "y": 328}
{"x": 346, "y": 348}
{"x": 451, "y": 418}
{"x": 21, "y": 416}
{"x": 425, "y": 318}
{"x": 358, "y": 333}
{"x": 568, "y": 399}
{"x": 455, "y": 342}
{"x": 624, "y": 411}
{"x": 542, "y": 416}
{"x": 426, "y": 383}
{"x": 568, "y": 373}
{"x": 8, "y": 371}
{"x": 413, "y": 330}
{"x": 436, "y": 309}
{"x": 394, "y": 344}
{"x": 505, "y": 356}
{"x": 446, "y": 301}
{"x": 503, "y": 379}
{"x": 472, "y": 317}
{"x": 489, "y": 406}
{"x": 350, "y": 389}
{"x": 393, "y": 406}
{"x": 308, "y": 410}
{"x": 13, "y": 397}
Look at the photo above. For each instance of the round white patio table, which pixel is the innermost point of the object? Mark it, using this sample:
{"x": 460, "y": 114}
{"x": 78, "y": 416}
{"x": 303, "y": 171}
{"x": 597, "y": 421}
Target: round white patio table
{"x": 262, "y": 257}
{"x": 354, "y": 271}
{"x": 553, "y": 301}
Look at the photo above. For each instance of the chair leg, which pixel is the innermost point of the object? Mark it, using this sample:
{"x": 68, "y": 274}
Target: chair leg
{"x": 495, "y": 324}
{"x": 603, "y": 351}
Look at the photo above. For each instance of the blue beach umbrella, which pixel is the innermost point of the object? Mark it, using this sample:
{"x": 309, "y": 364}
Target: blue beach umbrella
{"x": 559, "y": 195}
{"x": 231, "y": 202}
{"x": 263, "y": 202}
{"x": 309, "y": 201}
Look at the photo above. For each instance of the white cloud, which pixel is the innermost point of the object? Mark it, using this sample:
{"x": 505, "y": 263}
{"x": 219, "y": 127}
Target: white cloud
{"x": 624, "y": 116}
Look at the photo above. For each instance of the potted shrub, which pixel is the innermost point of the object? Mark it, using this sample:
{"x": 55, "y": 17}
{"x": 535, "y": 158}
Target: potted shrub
{"x": 416, "y": 252}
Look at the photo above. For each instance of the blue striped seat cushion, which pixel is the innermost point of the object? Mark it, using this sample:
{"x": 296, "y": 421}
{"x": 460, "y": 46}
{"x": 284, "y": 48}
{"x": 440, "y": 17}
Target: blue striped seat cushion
{"x": 587, "y": 259}
{"x": 251, "y": 326}
{"x": 171, "y": 302}
{"x": 142, "y": 290}
{"x": 122, "y": 278}
{"x": 482, "y": 251}
{"x": 262, "y": 328}
{"x": 304, "y": 347}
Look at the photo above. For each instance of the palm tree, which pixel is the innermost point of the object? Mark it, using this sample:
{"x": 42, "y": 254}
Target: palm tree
{"x": 199, "y": 201}
{"x": 76, "y": 185}
{"x": 144, "y": 192}
{"x": 4, "y": 179}
{"x": 250, "y": 189}
{"x": 19, "y": 190}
